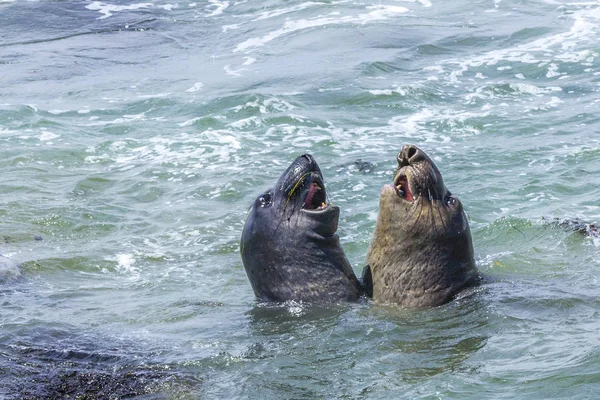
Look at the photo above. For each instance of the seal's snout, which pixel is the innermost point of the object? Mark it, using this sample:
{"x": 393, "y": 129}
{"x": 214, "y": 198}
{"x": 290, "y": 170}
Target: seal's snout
{"x": 410, "y": 154}
{"x": 309, "y": 158}
{"x": 303, "y": 182}
{"x": 307, "y": 163}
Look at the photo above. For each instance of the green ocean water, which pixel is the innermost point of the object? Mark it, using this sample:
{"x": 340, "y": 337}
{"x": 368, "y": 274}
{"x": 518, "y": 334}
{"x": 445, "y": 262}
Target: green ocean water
{"x": 135, "y": 136}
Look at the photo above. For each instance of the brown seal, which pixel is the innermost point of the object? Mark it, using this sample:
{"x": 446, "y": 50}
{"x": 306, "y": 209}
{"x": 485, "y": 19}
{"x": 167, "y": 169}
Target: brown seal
{"x": 421, "y": 253}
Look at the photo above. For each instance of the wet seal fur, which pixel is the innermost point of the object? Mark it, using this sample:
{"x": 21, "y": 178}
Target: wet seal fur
{"x": 289, "y": 246}
{"x": 421, "y": 252}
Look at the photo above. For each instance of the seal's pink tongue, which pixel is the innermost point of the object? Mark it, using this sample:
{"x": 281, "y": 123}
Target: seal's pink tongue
{"x": 311, "y": 192}
{"x": 409, "y": 195}
{"x": 403, "y": 186}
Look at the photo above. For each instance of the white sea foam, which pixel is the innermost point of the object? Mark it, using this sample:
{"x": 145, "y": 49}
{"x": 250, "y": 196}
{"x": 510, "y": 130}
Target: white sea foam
{"x": 169, "y": 7}
{"x": 416, "y": 126}
{"x": 535, "y": 197}
{"x": 7, "y": 132}
{"x": 207, "y": 150}
{"x": 153, "y": 95}
{"x": 226, "y": 28}
{"x": 118, "y": 145}
{"x": 219, "y": 7}
{"x": 8, "y": 269}
{"x": 232, "y": 72}
{"x": 377, "y": 13}
{"x": 230, "y": 140}
{"x": 412, "y": 123}
{"x": 564, "y": 47}
{"x": 359, "y": 187}
{"x": 389, "y": 92}
{"x": 125, "y": 261}
{"x": 381, "y": 12}
{"x": 266, "y": 106}
{"x": 190, "y": 122}
{"x": 554, "y": 102}
{"x": 125, "y": 264}
{"x": 107, "y": 10}
{"x": 121, "y": 120}
{"x": 47, "y": 136}
{"x": 196, "y": 88}
{"x": 528, "y": 88}
{"x": 246, "y": 123}
{"x": 487, "y": 93}
{"x": 424, "y": 3}
{"x": 285, "y": 10}
{"x": 334, "y": 89}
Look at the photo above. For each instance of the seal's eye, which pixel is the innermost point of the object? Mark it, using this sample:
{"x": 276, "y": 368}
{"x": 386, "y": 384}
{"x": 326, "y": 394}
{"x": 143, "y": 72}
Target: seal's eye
{"x": 265, "y": 200}
{"x": 450, "y": 200}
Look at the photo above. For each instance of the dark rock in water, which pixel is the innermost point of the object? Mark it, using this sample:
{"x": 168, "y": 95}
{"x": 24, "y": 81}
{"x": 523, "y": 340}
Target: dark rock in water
{"x": 576, "y": 225}
{"x": 68, "y": 382}
{"x": 53, "y": 372}
{"x": 38, "y": 238}
{"x": 359, "y": 165}
{"x": 364, "y": 166}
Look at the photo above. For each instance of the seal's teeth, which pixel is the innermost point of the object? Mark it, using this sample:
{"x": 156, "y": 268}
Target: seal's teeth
{"x": 401, "y": 191}
{"x": 323, "y": 205}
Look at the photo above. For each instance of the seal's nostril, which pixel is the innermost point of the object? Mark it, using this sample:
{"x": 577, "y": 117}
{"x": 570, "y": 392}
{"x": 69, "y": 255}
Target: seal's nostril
{"x": 408, "y": 155}
{"x": 308, "y": 157}
{"x": 412, "y": 151}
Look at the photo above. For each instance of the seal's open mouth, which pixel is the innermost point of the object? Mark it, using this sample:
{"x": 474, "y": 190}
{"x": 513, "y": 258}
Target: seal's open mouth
{"x": 315, "y": 198}
{"x": 402, "y": 187}
{"x": 303, "y": 185}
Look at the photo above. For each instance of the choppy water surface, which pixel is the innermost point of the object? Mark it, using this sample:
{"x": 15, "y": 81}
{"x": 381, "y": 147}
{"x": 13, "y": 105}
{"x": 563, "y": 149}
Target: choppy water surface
{"x": 134, "y": 137}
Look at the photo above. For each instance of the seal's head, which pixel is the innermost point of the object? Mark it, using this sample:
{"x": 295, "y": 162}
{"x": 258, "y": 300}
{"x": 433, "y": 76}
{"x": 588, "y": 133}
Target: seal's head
{"x": 289, "y": 246}
{"x": 299, "y": 200}
{"x": 419, "y": 202}
{"x": 421, "y": 253}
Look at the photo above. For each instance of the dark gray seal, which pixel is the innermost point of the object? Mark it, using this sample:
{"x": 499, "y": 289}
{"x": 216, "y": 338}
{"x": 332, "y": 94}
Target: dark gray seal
{"x": 289, "y": 245}
{"x": 421, "y": 252}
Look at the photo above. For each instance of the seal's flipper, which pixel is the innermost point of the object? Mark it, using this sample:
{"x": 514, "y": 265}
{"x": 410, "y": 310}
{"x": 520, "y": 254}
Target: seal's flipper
{"x": 367, "y": 281}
